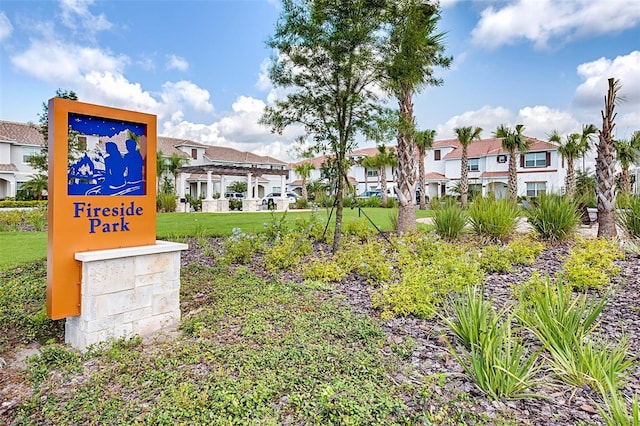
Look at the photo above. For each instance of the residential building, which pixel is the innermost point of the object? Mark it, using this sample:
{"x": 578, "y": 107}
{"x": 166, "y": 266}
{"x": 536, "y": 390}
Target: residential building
{"x": 18, "y": 141}
{"x": 539, "y": 170}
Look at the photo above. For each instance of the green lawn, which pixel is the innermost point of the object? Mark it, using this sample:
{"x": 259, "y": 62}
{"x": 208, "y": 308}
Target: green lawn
{"x": 20, "y": 247}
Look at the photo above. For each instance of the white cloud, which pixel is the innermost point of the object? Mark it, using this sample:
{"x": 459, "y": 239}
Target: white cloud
{"x": 188, "y": 94}
{"x": 177, "y": 63}
{"x": 106, "y": 87}
{"x": 5, "y": 27}
{"x": 538, "y": 121}
{"x": 487, "y": 117}
{"x": 596, "y": 74}
{"x": 76, "y": 16}
{"x": 56, "y": 62}
{"x": 264, "y": 83}
{"x": 543, "y": 21}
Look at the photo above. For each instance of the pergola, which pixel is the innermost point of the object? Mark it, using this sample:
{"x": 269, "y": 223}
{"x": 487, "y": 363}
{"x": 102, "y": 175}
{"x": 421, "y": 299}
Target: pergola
{"x": 222, "y": 171}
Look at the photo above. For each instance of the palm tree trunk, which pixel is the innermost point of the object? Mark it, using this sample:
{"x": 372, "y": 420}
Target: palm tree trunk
{"x": 421, "y": 182}
{"x": 625, "y": 180}
{"x": 304, "y": 189}
{"x": 405, "y": 172}
{"x": 605, "y": 167}
{"x": 570, "y": 181}
{"x": 464, "y": 178}
{"x": 512, "y": 184}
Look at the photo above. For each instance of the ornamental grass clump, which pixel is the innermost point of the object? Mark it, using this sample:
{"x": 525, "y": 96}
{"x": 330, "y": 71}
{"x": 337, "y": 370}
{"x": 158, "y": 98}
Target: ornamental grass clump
{"x": 555, "y": 217}
{"x": 564, "y": 323}
{"x": 495, "y": 218}
{"x": 628, "y": 215}
{"x": 449, "y": 221}
{"x": 499, "y": 362}
{"x": 616, "y": 410}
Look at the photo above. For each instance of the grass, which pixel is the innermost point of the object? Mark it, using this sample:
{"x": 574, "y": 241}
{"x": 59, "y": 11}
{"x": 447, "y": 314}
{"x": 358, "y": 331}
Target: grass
{"x": 33, "y": 245}
{"x": 252, "y": 350}
{"x": 20, "y": 247}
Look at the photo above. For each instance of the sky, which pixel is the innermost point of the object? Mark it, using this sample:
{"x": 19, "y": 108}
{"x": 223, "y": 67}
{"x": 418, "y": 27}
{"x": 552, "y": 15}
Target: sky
{"x": 201, "y": 65}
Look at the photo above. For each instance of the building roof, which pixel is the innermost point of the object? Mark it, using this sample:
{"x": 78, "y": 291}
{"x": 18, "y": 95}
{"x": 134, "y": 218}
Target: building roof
{"x": 22, "y": 133}
{"x": 484, "y": 147}
{"x": 316, "y": 161}
{"x": 434, "y": 176}
{"x": 230, "y": 155}
{"x": 8, "y": 167}
{"x": 502, "y": 174}
{"x": 169, "y": 146}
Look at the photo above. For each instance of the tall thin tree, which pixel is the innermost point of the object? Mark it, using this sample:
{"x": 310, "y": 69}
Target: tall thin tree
{"x": 304, "y": 171}
{"x": 326, "y": 61}
{"x": 424, "y": 141}
{"x": 513, "y": 141}
{"x": 466, "y": 135}
{"x": 385, "y": 157}
{"x": 414, "y": 49}
{"x": 569, "y": 149}
{"x": 605, "y": 164}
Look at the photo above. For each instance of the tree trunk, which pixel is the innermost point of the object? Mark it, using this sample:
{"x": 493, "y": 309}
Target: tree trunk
{"x": 383, "y": 185}
{"x": 464, "y": 178}
{"x": 570, "y": 181}
{"x": 406, "y": 175}
{"x": 305, "y": 195}
{"x": 625, "y": 180}
{"x": 605, "y": 168}
{"x": 421, "y": 182}
{"x": 512, "y": 184}
{"x": 339, "y": 206}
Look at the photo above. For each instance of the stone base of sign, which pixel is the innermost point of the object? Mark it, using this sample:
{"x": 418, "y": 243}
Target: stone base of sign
{"x": 182, "y": 207}
{"x": 282, "y": 204}
{"x": 127, "y": 292}
{"x": 209, "y": 206}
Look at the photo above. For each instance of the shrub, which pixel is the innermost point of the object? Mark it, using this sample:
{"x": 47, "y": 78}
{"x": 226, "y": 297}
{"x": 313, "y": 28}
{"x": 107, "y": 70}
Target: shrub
{"x": 430, "y": 272}
{"x": 11, "y": 220}
{"x": 301, "y": 203}
{"x": 37, "y": 218}
{"x": 166, "y": 202}
{"x": 629, "y": 215}
{"x": 235, "y": 204}
{"x": 325, "y": 268}
{"x": 591, "y": 263}
{"x": 449, "y": 221}
{"x": 373, "y": 260}
{"x": 554, "y": 217}
{"x": 498, "y": 361}
{"x": 240, "y": 247}
{"x": 496, "y": 218}
{"x": 495, "y": 258}
{"x": 287, "y": 251}
{"x": 524, "y": 250}
{"x": 359, "y": 228}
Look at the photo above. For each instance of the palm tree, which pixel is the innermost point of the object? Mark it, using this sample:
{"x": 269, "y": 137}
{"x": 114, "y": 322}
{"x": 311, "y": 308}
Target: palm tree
{"x": 173, "y": 163}
{"x": 466, "y": 135}
{"x": 424, "y": 141}
{"x": 414, "y": 49}
{"x": 37, "y": 185}
{"x": 605, "y": 165}
{"x": 161, "y": 168}
{"x": 586, "y": 137}
{"x": 304, "y": 171}
{"x": 627, "y": 153}
{"x": 369, "y": 163}
{"x": 513, "y": 141}
{"x": 385, "y": 158}
{"x": 570, "y": 149}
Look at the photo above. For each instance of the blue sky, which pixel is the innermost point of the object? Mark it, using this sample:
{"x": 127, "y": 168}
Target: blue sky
{"x": 200, "y": 66}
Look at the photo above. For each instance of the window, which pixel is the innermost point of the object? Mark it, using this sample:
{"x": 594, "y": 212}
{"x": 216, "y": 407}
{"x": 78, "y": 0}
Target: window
{"x": 371, "y": 173}
{"x": 535, "y": 159}
{"x": 194, "y": 153}
{"x": 535, "y": 189}
{"x": 28, "y": 152}
{"x": 436, "y": 155}
{"x": 473, "y": 165}
{"x": 502, "y": 158}
{"x": 275, "y": 189}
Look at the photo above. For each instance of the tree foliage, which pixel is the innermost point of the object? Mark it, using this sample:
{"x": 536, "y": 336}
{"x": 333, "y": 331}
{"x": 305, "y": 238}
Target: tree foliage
{"x": 326, "y": 64}
{"x": 513, "y": 141}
